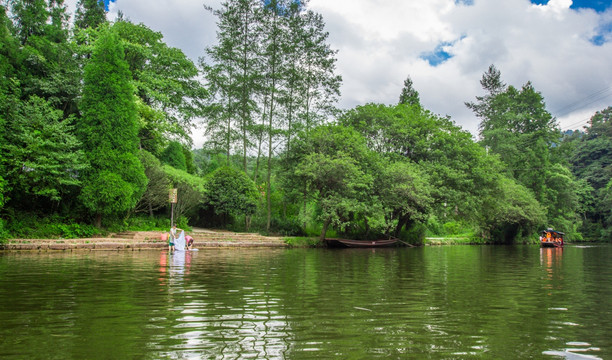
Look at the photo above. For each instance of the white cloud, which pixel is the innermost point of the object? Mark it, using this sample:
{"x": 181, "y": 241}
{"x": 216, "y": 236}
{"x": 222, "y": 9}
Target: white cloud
{"x": 380, "y": 42}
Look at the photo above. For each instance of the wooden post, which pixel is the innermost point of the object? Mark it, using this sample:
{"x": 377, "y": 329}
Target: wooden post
{"x": 173, "y": 200}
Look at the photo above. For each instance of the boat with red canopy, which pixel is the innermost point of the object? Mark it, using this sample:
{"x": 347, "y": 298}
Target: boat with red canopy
{"x": 551, "y": 238}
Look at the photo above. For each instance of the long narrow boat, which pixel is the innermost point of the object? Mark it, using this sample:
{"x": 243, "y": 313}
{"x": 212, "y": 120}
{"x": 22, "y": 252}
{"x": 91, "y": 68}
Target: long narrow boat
{"x": 361, "y": 243}
{"x": 551, "y": 238}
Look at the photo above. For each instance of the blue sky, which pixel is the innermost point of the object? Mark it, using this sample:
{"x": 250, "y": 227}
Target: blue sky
{"x": 597, "y": 5}
{"x": 106, "y": 3}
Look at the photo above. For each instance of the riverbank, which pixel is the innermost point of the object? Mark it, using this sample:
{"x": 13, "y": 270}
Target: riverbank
{"x": 141, "y": 240}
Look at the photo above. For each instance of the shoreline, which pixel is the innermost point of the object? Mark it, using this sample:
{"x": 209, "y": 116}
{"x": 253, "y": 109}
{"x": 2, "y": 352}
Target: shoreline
{"x": 144, "y": 240}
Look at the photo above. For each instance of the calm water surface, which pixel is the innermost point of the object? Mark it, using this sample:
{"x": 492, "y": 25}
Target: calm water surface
{"x": 456, "y": 302}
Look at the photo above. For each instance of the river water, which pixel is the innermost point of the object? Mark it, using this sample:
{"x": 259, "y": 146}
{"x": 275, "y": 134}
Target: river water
{"x": 453, "y": 302}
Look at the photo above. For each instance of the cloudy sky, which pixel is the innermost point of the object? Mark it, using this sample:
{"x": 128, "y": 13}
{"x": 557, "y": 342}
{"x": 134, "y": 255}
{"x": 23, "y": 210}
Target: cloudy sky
{"x": 563, "y": 47}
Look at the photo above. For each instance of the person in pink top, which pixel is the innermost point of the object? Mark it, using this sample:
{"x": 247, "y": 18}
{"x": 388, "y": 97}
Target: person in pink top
{"x": 189, "y": 241}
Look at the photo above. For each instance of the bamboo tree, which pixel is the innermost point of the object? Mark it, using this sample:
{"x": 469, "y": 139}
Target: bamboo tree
{"x": 220, "y": 75}
{"x": 321, "y": 88}
{"x": 273, "y": 61}
{"x": 247, "y": 82}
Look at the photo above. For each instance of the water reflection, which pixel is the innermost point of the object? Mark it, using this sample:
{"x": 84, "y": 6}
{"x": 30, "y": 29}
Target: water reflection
{"x": 559, "y": 325}
{"x": 439, "y": 303}
{"x": 243, "y": 322}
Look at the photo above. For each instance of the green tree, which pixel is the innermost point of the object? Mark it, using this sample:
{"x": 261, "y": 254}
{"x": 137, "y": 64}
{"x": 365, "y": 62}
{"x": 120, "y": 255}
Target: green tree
{"x": 510, "y": 212}
{"x": 231, "y": 192}
{"x": 166, "y": 81}
{"x": 320, "y": 85}
{"x": 273, "y": 54}
{"x": 46, "y": 65}
{"x": 155, "y": 196}
{"x": 189, "y": 162}
{"x": 89, "y": 14}
{"x": 109, "y": 131}
{"x": 222, "y": 72}
{"x": 458, "y": 169}
{"x": 330, "y": 167}
{"x": 516, "y": 126}
{"x": 191, "y": 191}
{"x": 409, "y": 95}
{"x": 8, "y": 85}
{"x": 235, "y": 72}
{"x": 404, "y": 194}
{"x": 592, "y": 163}
{"x": 43, "y": 156}
{"x": 174, "y": 156}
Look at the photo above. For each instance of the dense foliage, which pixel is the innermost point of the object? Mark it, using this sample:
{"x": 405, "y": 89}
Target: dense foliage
{"x": 96, "y": 124}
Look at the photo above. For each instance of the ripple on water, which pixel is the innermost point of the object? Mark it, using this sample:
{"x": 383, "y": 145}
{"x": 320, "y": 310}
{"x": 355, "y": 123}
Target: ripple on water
{"x": 575, "y": 352}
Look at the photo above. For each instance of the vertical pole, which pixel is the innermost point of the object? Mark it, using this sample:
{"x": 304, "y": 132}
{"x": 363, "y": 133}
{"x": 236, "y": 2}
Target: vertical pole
{"x": 172, "y": 216}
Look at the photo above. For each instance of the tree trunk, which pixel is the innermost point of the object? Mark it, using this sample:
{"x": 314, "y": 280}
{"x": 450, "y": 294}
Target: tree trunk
{"x": 304, "y": 224}
{"x": 99, "y": 221}
{"x": 404, "y": 220}
{"x": 270, "y": 128}
{"x": 324, "y": 231}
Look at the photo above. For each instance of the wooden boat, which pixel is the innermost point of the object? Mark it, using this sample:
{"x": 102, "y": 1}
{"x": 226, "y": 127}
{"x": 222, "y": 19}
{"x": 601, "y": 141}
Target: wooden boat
{"x": 551, "y": 238}
{"x": 361, "y": 243}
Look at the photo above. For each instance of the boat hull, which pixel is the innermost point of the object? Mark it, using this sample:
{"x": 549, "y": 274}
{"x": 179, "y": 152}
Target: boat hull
{"x": 361, "y": 243}
{"x": 549, "y": 244}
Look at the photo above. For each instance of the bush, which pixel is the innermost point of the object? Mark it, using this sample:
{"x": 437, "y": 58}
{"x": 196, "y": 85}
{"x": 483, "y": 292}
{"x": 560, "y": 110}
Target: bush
{"x": 231, "y": 192}
{"x": 288, "y": 227}
{"x": 303, "y": 241}
{"x": 74, "y": 230}
{"x": 54, "y": 226}
{"x": 414, "y": 235}
{"x": 452, "y": 228}
{"x": 147, "y": 223}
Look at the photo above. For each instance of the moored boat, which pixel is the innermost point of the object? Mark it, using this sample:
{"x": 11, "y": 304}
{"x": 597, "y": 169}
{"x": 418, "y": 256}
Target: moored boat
{"x": 360, "y": 243}
{"x": 551, "y": 238}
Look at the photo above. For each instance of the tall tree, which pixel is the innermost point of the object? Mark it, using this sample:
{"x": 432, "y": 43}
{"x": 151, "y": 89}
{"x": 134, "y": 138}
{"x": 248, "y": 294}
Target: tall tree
{"x": 220, "y": 69}
{"x": 320, "y": 88}
{"x": 90, "y": 14}
{"x": 409, "y": 95}
{"x": 272, "y": 74}
{"x": 167, "y": 84}
{"x": 516, "y": 125}
{"x": 47, "y": 67}
{"x": 9, "y": 84}
{"x": 592, "y": 163}
{"x": 273, "y": 53}
{"x": 30, "y": 18}
{"x": 109, "y": 131}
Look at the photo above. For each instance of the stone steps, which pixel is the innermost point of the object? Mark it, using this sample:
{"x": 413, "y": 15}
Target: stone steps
{"x": 135, "y": 240}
